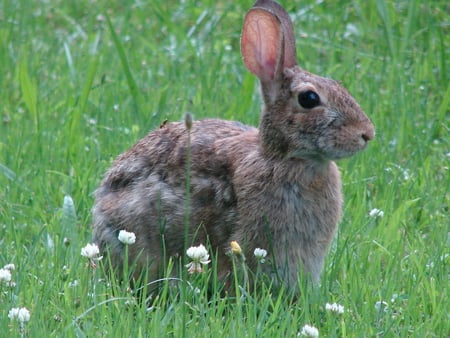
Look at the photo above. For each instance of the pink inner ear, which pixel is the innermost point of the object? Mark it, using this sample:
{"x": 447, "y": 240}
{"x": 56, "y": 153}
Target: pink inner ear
{"x": 261, "y": 44}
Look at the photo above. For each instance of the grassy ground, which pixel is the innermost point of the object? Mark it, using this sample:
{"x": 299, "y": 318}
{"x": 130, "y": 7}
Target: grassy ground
{"x": 73, "y": 96}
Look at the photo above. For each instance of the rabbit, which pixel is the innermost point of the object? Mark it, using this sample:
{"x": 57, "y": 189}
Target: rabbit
{"x": 275, "y": 187}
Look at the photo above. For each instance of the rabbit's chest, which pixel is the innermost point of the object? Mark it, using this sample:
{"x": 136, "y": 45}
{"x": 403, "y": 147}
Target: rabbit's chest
{"x": 298, "y": 202}
{"x": 300, "y": 208}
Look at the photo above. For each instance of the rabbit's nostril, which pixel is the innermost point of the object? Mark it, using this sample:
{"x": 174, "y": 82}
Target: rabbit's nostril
{"x": 367, "y": 136}
{"x": 368, "y": 133}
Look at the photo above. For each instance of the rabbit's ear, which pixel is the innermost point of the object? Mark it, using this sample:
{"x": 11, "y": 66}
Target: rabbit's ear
{"x": 290, "y": 53}
{"x": 267, "y": 42}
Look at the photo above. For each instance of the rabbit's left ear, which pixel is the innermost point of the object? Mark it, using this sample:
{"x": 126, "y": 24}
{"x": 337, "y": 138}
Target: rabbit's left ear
{"x": 267, "y": 42}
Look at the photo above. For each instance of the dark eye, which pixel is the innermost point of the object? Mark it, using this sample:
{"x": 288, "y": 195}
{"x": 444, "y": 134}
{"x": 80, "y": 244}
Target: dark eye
{"x": 308, "y": 99}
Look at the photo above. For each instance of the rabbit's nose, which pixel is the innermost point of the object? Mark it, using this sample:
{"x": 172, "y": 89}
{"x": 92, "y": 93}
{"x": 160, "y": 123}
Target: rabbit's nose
{"x": 368, "y": 134}
{"x": 366, "y": 137}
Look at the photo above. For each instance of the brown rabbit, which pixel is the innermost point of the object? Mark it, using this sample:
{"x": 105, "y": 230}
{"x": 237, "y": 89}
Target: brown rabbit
{"x": 275, "y": 187}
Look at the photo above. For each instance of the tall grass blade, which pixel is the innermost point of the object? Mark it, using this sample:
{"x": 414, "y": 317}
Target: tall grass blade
{"x": 11, "y": 175}
{"x": 126, "y": 66}
{"x": 69, "y": 222}
{"x": 442, "y": 114}
{"x": 387, "y": 25}
{"x": 29, "y": 91}
{"x": 77, "y": 113}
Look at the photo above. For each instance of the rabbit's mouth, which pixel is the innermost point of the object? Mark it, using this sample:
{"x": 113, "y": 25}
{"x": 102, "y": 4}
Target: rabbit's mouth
{"x": 323, "y": 155}
{"x": 336, "y": 150}
{"x": 344, "y": 153}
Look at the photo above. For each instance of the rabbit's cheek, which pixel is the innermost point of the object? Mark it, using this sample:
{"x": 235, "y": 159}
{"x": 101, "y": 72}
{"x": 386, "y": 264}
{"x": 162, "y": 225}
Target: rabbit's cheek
{"x": 342, "y": 144}
{"x": 331, "y": 145}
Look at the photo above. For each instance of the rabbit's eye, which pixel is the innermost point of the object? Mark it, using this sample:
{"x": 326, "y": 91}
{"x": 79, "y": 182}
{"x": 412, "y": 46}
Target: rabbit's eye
{"x": 308, "y": 99}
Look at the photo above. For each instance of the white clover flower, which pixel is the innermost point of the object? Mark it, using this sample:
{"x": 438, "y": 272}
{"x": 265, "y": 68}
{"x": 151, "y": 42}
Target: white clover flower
{"x": 127, "y": 237}
{"x": 394, "y": 298}
{"x": 5, "y": 275}
{"x": 381, "y": 305}
{"x": 197, "y": 252}
{"x": 22, "y": 314}
{"x": 260, "y": 254}
{"x": 199, "y": 256}
{"x": 309, "y": 331}
{"x": 91, "y": 251}
{"x": 74, "y": 283}
{"x": 376, "y": 213}
{"x": 429, "y": 265}
{"x": 10, "y": 267}
{"x": 335, "y": 307}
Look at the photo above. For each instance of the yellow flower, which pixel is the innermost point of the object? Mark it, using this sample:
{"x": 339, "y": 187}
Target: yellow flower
{"x": 235, "y": 248}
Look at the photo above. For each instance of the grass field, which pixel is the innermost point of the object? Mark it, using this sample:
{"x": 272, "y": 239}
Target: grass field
{"x": 74, "y": 95}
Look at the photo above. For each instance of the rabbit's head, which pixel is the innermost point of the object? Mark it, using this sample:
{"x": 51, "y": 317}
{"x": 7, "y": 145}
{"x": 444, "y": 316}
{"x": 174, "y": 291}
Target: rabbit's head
{"x": 305, "y": 115}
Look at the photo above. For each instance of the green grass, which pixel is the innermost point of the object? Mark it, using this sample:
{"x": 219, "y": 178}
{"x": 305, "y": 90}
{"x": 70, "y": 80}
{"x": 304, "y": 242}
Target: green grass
{"x": 73, "y": 96}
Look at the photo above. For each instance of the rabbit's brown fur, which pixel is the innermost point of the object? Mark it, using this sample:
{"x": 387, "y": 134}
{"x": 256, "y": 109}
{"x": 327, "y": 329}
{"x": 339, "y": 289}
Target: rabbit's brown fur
{"x": 275, "y": 188}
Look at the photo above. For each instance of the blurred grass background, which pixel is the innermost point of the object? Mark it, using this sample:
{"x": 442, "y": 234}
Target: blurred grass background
{"x": 74, "y": 95}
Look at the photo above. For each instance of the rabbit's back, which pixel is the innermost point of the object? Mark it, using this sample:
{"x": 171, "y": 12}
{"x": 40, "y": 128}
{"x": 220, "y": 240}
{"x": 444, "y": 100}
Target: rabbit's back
{"x": 145, "y": 191}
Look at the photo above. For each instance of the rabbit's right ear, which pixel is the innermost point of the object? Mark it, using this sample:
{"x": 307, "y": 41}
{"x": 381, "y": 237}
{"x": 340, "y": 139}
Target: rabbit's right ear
{"x": 267, "y": 42}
